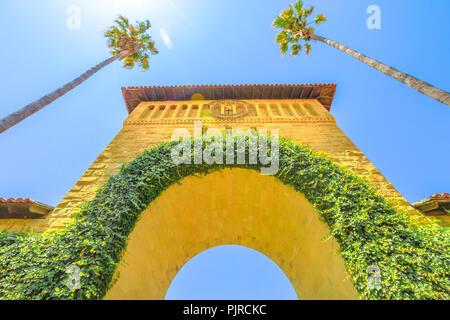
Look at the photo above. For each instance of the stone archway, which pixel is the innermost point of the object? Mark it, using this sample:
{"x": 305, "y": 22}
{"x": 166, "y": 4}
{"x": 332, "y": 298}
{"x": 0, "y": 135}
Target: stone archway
{"x": 274, "y": 215}
{"x": 217, "y": 209}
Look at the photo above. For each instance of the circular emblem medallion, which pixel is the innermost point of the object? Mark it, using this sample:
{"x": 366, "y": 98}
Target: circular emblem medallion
{"x": 230, "y": 109}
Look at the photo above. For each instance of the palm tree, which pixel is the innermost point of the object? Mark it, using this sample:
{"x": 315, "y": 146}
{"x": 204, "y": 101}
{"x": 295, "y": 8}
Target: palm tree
{"x": 297, "y": 30}
{"x": 128, "y": 43}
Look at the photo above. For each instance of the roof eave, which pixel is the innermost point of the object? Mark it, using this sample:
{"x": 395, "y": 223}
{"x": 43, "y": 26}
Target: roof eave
{"x": 324, "y": 93}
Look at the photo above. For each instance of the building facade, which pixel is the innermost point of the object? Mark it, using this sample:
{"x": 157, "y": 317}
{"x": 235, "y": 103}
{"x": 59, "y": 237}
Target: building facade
{"x": 181, "y": 224}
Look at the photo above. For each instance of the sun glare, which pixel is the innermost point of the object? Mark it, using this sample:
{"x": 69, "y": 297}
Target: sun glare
{"x": 132, "y": 8}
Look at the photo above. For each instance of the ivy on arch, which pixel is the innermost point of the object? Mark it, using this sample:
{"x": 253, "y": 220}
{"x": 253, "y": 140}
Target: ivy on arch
{"x": 413, "y": 258}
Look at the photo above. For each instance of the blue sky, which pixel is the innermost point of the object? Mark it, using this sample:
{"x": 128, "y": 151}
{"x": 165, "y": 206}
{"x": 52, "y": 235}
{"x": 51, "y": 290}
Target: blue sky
{"x": 405, "y": 134}
{"x": 231, "y": 273}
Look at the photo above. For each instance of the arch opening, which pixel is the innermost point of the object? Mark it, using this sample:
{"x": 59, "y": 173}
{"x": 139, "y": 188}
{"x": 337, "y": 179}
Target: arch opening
{"x": 231, "y": 272}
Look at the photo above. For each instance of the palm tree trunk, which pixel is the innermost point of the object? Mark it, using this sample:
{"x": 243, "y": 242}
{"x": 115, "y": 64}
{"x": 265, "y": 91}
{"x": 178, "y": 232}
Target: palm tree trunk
{"x": 37, "y": 105}
{"x": 416, "y": 84}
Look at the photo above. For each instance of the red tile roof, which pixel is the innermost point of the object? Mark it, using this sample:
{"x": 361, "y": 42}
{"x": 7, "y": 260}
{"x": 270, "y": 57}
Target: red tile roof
{"x": 322, "y": 92}
{"x": 441, "y": 196}
{"x": 19, "y": 200}
{"x": 23, "y": 209}
{"x": 436, "y": 205}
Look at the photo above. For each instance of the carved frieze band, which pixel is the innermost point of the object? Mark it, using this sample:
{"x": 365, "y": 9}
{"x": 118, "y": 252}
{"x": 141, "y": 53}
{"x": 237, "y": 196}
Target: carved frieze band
{"x": 246, "y": 120}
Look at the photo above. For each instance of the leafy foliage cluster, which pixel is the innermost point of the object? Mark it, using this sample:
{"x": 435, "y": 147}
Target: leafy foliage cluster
{"x": 132, "y": 42}
{"x": 413, "y": 258}
{"x": 296, "y": 28}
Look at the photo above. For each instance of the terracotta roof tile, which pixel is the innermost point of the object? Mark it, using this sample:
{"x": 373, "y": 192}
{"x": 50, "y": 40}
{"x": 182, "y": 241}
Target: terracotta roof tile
{"x": 441, "y": 196}
{"x": 18, "y": 200}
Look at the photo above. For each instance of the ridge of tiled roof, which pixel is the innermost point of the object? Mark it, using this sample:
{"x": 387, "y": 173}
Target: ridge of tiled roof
{"x": 441, "y": 196}
{"x": 237, "y": 85}
{"x": 18, "y": 200}
{"x": 322, "y": 92}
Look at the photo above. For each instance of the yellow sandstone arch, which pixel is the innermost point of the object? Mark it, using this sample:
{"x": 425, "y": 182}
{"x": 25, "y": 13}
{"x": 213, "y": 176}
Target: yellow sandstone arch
{"x": 219, "y": 209}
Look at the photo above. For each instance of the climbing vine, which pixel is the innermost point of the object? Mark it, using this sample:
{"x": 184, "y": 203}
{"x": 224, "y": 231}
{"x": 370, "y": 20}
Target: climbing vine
{"x": 413, "y": 258}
